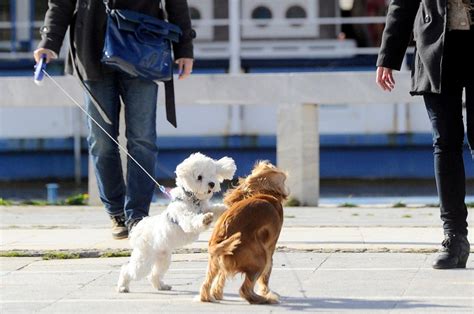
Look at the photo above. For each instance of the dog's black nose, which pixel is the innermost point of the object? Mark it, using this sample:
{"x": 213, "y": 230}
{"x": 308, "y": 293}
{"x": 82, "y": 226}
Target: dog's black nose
{"x": 211, "y": 185}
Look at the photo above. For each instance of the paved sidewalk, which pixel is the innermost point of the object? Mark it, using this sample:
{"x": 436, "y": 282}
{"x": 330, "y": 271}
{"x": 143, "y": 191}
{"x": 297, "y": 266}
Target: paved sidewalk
{"x": 374, "y": 229}
{"x": 318, "y": 267}
{"x": 307, "y": 282}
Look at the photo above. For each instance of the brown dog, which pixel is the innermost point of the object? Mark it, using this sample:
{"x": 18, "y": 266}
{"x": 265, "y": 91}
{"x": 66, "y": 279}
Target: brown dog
{"x": 245, "y": 236}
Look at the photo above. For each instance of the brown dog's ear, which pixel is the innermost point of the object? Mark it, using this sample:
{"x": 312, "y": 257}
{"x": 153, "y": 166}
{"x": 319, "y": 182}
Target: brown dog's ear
{"x": 225, "y": 168}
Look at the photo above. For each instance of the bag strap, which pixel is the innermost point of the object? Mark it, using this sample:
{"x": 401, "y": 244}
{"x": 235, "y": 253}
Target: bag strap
{"x": 79, "y": 76}
{"x": 170, "y": 102}
{"x": 169, "y": 89}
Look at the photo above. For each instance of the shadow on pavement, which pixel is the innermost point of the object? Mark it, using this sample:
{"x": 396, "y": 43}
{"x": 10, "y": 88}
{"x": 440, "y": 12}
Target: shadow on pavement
{"x": 311, "y": 304}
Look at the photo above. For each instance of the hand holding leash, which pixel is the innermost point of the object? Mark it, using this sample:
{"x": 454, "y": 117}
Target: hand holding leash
{"x": 39, "y": 69}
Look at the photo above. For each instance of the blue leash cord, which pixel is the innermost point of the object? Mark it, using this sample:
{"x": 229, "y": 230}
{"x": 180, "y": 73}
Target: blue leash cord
{"x": 40, "y": 73}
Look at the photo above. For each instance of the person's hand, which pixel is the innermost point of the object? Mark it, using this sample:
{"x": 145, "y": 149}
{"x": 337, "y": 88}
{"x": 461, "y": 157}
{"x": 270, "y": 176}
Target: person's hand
{"x": 39, "y": 52}
{"x": 385, "y": 78}
{"x": 185, "y": 66}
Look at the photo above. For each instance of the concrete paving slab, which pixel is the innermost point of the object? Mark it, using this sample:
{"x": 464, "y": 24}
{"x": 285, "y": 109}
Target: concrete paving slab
{"x": 48, "y": 217}
{"x": 307, "y": 282}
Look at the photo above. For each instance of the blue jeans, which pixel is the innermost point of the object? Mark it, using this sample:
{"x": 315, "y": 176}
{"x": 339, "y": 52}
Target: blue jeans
{"x": 446, "y": 115}
{"x": 133, "y": 195}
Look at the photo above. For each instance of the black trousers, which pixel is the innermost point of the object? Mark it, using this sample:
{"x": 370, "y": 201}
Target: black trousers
{"x": 446, "y": 115}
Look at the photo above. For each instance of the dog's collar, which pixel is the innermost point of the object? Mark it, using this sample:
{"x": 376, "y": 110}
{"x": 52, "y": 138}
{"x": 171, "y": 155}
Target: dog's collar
{"x": 190, "y": 196}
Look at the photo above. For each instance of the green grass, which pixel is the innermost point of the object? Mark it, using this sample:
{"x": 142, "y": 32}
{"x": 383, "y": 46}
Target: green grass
{"x": 34, "y": 202}
{"x": 348, "y": 205}
{"x": 407, "y": 216}
{"x": 4, "y": 202}
{"x": 60, "y": 255}
{"x": 115, "y": 254}
{"x": 292, "y": 202}
{"x": 78, "y": 199}
{"x": 399, "y": 205}
{"x": 470, "y": 204}
{"x": 14, "y": 254}
{"x": 52, "y": 255}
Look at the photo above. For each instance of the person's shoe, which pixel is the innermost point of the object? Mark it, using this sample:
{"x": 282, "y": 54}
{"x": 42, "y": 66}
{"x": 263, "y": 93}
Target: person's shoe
{"x": 454, "y": 253}
{"x": 133, "y": 223}
{"x": 119, "y": 230}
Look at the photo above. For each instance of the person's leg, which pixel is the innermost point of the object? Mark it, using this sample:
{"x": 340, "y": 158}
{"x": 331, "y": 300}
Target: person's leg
{"x": 139, "y": 97}
{"x": 470, "y": 115}
{"x": 445, "y": 112}
{"x": 105, "y": 153}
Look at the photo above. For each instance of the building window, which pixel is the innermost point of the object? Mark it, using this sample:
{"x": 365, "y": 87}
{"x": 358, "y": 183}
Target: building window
{"x": 40, "y": 9}
{"x": 262, "y": 13}
{"x": 195, "y": 13}
{"x": 296, "y": 12}
{"x": 5, "y": 33}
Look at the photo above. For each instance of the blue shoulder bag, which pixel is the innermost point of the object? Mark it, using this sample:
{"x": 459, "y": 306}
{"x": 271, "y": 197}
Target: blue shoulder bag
{"x": 141, "y": 45}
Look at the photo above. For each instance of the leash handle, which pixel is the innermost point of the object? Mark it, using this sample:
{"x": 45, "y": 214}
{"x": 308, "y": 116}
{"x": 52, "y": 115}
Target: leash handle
{"x": 39, "y": 70}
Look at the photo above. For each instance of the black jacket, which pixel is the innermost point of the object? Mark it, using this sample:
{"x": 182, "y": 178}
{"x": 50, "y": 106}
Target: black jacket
{"x": 427, "y": 19}
{"x": 89, "y": 29}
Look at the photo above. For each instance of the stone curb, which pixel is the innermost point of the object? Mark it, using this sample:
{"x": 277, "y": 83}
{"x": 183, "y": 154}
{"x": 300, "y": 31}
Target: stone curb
{"x": 93, "y": 253}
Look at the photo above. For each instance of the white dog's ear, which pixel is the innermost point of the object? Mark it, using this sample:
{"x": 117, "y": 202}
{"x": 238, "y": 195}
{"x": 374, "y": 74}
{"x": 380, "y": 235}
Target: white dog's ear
{"x": 225, "y": 168}
{"x": 184, "y": 168}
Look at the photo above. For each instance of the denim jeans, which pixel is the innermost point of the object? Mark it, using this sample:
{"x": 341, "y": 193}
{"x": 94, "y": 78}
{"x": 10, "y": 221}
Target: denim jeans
{"x": 133, "y": 195}
{"x": 445, "y": 113}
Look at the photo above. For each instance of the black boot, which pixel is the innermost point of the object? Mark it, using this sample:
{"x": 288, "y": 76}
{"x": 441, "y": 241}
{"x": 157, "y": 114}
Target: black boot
{"x": 454, "y": 253}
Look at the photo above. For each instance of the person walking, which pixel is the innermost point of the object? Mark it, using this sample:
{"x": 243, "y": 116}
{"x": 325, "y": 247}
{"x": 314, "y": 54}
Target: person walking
{"x": 126, "y": 201}
{"x": 443, "y": 67}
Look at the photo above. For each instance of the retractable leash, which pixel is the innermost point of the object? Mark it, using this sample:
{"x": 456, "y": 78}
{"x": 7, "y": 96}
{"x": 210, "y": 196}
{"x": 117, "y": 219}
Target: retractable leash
{"x": 40, "y": 72}
{"x": 39, "y": 68}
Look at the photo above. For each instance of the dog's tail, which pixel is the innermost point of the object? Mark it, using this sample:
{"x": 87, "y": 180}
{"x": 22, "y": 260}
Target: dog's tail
{"x": 227, "y": 246}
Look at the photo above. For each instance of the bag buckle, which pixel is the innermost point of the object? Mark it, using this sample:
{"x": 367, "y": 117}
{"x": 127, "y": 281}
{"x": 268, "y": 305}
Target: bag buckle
{"x": 107, "y": 8}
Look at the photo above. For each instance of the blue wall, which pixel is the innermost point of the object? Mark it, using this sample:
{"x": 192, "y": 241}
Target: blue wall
{"x": 341, "y": 156}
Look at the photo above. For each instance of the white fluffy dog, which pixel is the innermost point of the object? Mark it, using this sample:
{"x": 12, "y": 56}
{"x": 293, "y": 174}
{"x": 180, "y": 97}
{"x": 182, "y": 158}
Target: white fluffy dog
{"x": 154, "y": 238}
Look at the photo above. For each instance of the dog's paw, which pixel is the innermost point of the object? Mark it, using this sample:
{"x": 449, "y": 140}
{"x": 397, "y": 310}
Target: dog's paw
{"x": 200, "y": 298}
{"x": 164, "y": 287}
{"x": 272, "y": 297}
{"x": 207, "y": 219}
{"x": 217, "y": 295}
{"x": 123, "y": 289}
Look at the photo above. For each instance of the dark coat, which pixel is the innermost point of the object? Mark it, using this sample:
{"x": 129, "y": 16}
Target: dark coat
{"x": 89, "y": 29}
{"x": 427, "y": 20}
